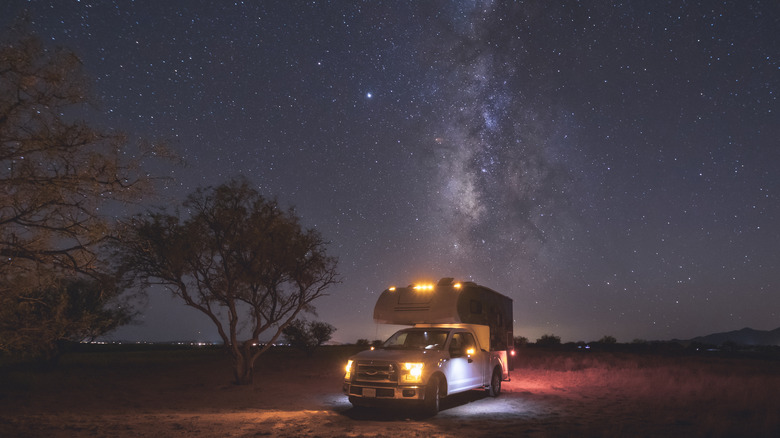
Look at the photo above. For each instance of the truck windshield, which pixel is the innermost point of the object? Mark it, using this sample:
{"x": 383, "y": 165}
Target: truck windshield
{"x": 418, "y": 339}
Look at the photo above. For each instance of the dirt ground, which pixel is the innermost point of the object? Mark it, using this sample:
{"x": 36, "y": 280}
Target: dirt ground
{"x": 171, "y": 394}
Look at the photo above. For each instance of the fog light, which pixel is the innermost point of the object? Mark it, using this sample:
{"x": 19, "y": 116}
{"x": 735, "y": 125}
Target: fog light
{"x": 408, "y": 392}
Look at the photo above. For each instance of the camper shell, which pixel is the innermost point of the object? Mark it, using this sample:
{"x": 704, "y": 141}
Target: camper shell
{"x": 460, "y": 338}
{"x": 450, "y": 302}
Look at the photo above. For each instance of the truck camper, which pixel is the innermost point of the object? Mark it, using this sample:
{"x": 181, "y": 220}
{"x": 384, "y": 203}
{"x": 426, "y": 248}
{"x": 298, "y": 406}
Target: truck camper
{"x": 460, "y": 339}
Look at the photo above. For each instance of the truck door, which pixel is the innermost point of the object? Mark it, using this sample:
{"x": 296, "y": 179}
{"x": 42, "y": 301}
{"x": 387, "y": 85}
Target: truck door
{"x": 467, "y": 363}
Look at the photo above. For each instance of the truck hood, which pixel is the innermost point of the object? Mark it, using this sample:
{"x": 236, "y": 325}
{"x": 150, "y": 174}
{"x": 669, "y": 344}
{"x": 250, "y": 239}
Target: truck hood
{"x": 398, "y": 355}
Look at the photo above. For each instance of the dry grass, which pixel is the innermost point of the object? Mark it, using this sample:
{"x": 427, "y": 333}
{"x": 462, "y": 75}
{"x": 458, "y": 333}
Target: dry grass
{"x": 187, "y": 392}
{"x": 720, "y": 394}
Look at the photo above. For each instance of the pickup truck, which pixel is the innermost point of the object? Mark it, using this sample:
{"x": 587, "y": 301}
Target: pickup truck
{"x": 463, "y": 346}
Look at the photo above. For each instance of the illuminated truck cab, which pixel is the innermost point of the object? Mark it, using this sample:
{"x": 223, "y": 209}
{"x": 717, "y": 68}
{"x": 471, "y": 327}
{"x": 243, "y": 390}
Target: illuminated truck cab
{"x": 460, "y": 339}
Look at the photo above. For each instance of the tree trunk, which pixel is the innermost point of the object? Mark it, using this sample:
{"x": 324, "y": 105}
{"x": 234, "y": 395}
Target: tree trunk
{"x": 243, "y": 368}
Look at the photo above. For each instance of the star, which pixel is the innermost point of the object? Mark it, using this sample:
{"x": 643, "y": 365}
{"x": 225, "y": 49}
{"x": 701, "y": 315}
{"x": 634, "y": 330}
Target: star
{"x": 548, "y": 162}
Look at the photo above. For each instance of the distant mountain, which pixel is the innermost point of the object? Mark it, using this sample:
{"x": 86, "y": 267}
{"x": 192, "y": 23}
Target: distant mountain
{"x": 746, "y": 336}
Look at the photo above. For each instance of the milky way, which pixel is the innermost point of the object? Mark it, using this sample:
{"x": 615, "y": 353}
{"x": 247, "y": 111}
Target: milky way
{"x": 611, "y": 167}
{"x": 499, "y": 175}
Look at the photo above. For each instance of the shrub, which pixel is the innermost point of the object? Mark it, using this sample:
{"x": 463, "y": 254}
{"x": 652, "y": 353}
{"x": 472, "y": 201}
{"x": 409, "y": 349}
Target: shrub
{"x": 548, "y": 341}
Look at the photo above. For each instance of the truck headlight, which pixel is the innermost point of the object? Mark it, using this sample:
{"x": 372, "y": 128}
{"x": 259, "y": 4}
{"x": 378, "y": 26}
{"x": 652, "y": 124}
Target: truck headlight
{"x": 411, "y": 372}
{"x": 348, "y": 374}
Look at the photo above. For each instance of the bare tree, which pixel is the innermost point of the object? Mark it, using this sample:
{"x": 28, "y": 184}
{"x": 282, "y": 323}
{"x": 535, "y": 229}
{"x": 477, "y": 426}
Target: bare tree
{"x": 239, "y": 259}
{"x": 57, "y": 176}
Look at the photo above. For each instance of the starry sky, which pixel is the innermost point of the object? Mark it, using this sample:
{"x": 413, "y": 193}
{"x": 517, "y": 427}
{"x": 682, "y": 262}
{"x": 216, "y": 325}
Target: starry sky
{"x": 613, "y": 167}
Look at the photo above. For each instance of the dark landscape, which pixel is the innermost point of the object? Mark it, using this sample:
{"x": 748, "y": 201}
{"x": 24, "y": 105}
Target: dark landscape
{"x": 617, "y": 390}
{"x": 226, "y": 172}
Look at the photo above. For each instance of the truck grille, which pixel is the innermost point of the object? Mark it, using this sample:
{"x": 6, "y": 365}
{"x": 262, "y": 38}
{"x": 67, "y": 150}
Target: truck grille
{"x": 374, "y": 372}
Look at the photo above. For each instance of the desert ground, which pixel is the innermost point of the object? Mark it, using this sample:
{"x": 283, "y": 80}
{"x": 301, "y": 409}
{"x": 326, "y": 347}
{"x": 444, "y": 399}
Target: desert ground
{"x": 165, "y": 392}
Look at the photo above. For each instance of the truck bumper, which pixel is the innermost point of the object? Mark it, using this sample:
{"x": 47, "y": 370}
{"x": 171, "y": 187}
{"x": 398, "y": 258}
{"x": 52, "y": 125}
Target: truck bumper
{"x": 368, "y": 393}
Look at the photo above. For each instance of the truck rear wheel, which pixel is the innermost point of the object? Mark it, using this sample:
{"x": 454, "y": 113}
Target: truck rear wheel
{"x": 432, "y": 396}
{"x": 495, "y": 383}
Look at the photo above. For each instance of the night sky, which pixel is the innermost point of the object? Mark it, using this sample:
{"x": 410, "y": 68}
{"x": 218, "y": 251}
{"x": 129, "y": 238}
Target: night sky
{"x": 612, "y": 167}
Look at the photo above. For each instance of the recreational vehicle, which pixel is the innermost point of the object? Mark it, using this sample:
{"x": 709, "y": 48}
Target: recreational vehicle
{"x": 460, "y": 338}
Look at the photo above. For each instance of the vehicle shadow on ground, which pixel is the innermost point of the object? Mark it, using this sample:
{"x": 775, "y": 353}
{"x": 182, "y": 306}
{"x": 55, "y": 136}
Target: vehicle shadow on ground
{"x": 396, "y": 411}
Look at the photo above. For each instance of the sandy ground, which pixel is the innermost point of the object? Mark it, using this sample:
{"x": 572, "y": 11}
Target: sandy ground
{"x": 296, "y": 396}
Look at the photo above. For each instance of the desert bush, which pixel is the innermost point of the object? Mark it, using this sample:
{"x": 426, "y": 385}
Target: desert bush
{"x": 548, "y": 341}
{"x": 307, "y": 336}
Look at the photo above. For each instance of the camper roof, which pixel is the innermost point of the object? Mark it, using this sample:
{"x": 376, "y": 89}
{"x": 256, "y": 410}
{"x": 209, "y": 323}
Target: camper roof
{"x": 445, "y": 302}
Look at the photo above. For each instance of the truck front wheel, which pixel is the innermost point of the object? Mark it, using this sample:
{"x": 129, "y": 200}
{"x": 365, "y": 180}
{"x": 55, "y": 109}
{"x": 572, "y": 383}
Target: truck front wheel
{"x": 495, "y": 383}
{"x": 432, "y": 396}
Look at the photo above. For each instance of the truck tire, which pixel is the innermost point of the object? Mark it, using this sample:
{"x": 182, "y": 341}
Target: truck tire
{"x": 432, "y": 396}
{"x": 495, "y": 383}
